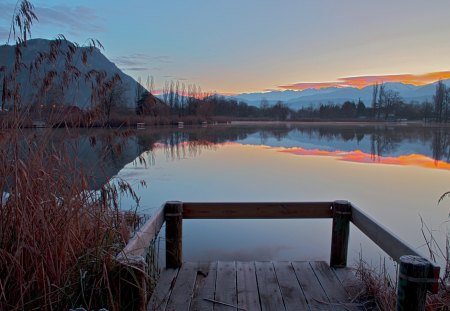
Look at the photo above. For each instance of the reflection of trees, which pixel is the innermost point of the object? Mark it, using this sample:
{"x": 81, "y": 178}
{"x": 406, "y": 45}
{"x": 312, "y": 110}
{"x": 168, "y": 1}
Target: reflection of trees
{"x": 348, "y": 135}
{"x": 105, "y": 152}
{"x": 178, "y": 145}
{"x": 384, "y": 140}
{"x": 441, "y": 145}
{"x": 278, "y": 133}
{"x": 383, "y": 143}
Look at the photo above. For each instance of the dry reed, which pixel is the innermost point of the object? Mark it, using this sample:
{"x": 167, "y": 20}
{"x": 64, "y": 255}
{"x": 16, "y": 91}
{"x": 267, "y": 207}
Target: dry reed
{"x": 58, "y": 237}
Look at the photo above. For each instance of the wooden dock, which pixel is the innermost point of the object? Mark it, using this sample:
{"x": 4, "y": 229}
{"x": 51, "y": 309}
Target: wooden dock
{"x": 269, "y": 285}
{"x": 255, "y": 286}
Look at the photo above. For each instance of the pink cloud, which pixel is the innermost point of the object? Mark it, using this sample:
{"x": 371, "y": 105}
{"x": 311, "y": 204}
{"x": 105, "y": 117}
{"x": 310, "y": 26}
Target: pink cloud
{"x": 363, "y": 81}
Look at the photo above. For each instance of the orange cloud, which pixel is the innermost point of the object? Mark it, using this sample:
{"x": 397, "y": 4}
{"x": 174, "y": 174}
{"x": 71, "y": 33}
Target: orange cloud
{"x": 362, "y": 157}
{"x": 363, "y": 81}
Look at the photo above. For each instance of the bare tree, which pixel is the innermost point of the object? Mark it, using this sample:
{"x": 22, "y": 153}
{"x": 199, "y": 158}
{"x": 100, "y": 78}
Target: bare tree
{"x": 176, "y": 98}
{"x": 138, "y": 90}
{"x": 171, "y": 94}
{"x": 183, "y": 99}
{"x": 112, "y": 99}
{"x": 381, "y": 100}
{"x": 391, "y": 100}
{"x": 150, "y": 85}
{"x": 374, "y": 99}
{"x": 165, "y": 91}
{"x": 440, "y": 102}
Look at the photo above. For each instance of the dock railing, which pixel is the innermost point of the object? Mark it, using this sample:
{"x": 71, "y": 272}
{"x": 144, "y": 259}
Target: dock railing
{"x": 416, "y": 274}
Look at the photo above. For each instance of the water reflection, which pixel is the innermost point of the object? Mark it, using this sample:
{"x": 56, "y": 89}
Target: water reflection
{"x": 378, "y": 141}
{"x": 361, "y": 157}
{"x": 243, "y": 163}
{"x": 105, "y": 152}
{"x": 441, "y": 145}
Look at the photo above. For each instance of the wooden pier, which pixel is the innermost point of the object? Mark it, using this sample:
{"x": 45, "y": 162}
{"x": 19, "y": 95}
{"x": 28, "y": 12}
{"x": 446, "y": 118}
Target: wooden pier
{"x": 272, "y": 285}
{"x": 255, "y": 286}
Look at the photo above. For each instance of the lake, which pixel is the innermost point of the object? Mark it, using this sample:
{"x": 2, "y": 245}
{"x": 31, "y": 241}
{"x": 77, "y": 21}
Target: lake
{"x": 396, "y": 173}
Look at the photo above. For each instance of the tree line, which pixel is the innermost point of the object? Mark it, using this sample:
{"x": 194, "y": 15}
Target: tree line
{"x": 181, "y": 100}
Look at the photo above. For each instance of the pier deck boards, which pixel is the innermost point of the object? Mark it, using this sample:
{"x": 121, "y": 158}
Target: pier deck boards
{"x": 251, "y": 286}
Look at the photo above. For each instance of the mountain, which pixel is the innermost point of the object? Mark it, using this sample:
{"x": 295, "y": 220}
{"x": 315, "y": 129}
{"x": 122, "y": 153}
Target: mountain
{"x": 78, "y": 92}
{"x": 282, "y": 95}
{"x": 333, "y": 95}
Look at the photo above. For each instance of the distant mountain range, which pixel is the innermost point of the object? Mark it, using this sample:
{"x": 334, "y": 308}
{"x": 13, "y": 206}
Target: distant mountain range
{"x": 315, "y": 97}
{"x": 79, "y": 92}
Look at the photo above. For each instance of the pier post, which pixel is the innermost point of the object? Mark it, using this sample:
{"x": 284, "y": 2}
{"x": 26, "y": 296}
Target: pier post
{"x": 342, "y": 214}
{"x": 130, "y": 283}
{"x": 414, "y": 279}
{"x": 173, "y": 211}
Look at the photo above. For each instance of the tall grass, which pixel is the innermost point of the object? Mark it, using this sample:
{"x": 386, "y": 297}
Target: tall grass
{"x": 379, "y": 290}
{"x": 58, "y": 237}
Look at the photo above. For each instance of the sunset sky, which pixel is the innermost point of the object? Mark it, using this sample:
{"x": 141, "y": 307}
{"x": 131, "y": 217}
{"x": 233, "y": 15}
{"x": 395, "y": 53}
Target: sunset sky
{"x": 238, "y": 46}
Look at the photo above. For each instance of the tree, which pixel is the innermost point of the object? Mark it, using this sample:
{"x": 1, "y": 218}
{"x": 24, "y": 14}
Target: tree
{"x": 152, "y": 106}
{"x": 360, "y": 109}
{"x": 381, "y": 100}
{"x": 138, "y": 90}
{"x": 110, "y": 97}
{"x": 264, "y": 107}
{"x": 391, "y": 100}
{"x": 349, "y": 109}
{"x": 206, "y": 108}
{"x": 440, "y": 100}
{"x": 374, "y": 99}
{"x": 280, "y": 111}
{"x": 427, "y": 110}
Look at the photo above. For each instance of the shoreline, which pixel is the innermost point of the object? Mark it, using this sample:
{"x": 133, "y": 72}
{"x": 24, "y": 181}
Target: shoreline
{"x": 344, "y": 123}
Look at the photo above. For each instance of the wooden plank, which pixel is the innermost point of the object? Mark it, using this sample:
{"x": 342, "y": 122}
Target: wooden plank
{"x": 181, "y": 296}
{"x": 254, "y": 210}
{"x": 384, "y": 238}
{"x": 138, "y": 244}
{"x": 205, "y": 287}
{"x": 269, "y": 291}
{"x": 226, "y": 291}
{"x": 333, "y": 288}
{"x": 292, "y": 293}
{"x": 162, "y": 291}
{"x": 247, "y": 287}
{"x": 314, "y": 293}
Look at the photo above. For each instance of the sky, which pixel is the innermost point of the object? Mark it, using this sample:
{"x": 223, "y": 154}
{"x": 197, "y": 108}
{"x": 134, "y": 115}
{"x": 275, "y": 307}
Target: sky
{"x": 237, "y": 46}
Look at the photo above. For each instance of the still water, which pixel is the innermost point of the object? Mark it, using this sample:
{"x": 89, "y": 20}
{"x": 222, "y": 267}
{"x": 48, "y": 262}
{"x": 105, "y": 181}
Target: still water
{"x": 395, "y": 173}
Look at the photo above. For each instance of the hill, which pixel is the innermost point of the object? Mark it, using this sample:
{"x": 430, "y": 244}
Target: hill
{"x": 79, "y": 91}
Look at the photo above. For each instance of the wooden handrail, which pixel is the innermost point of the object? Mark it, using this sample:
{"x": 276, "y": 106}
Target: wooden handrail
{"x": 132, "y": 264}
{"x": 384, "y": 238}
{"x": 257, "y": 210}
{"x": 142, "y": 239}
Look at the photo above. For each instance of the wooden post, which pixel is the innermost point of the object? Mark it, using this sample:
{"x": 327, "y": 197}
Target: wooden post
{"x": 413, "y": 281}
{"x": 131, "y": 283}
{"x": 342, "y": 214}
{"x": 174, "y": 221}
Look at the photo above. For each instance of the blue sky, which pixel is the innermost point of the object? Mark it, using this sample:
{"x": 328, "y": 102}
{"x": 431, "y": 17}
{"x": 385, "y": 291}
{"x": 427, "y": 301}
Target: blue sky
{"x": 235, "y": 46}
